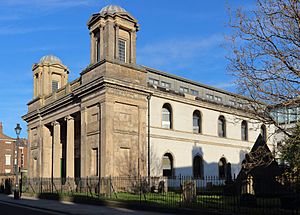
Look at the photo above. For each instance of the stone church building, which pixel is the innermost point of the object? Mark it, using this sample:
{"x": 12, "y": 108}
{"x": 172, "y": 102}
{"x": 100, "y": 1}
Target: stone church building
{"x": 119, "y": 118}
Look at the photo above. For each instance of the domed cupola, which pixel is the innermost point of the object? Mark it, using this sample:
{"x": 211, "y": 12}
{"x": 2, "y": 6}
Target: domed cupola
{"x": 113, "y": 35}
{"x": 49, "y": 75}
{"x": 50, "y": 59}
{"x": 112, "y": 9}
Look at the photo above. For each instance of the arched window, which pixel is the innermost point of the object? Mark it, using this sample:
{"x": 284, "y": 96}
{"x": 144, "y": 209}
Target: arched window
{"x": 198, "y": 167}
{"x": 166, "y": 116}
{"x": 263, "y": 132}
{"x": 167, "y": 165}
{"x": 221, "y": 126}
{"x": 222, "y": 168}
{"x": 244, "y": 130}
{"x": 197, "y": 121}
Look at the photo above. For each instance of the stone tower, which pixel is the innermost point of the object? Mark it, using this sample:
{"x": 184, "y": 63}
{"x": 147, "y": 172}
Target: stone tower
{"x": 49, "y": 75}
{"x": 113, "y": 35}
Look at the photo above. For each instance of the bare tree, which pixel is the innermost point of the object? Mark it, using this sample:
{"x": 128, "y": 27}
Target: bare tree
{"x": 265, "y": 58}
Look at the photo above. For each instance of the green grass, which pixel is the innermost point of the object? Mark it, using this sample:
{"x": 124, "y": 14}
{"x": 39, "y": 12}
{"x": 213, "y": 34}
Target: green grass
{"x": 174, "y": 200}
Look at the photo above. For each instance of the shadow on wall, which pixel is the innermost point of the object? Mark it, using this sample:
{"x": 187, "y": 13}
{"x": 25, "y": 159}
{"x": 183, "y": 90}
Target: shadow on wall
{"x": 222, "y": 168}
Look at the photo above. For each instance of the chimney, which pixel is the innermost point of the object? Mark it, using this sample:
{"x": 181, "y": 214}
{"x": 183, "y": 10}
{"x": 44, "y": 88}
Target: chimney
{"x": 1, "y": 128}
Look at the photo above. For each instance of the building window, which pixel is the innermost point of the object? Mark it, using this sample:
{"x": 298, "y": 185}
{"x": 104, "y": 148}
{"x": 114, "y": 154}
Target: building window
{"x": 184, "y": 89}
{"x": 218, "y": 99}
{"x": 166, "y": 85}
{"x": 194, "y": 92}
{"x": 222, "y": 168}
{"x": 7, "y": 159}
{"x": 22, "y": 160}
{"x": 55, "y": 86}
{"x": 122, "y": 50}
{"x": 197, "y": 121}
{"x": 153, "y": 81}
{"x": 244, "y": 130}
{"x": 209, "y": 96}
{"x": 232, "y": 103}
{"x": 241, "y": 105}
{"x": 167, "y": 116}
{"x": 221, "y": 126}
{"x": 198, "y": 167}
{"x": 7, "y": 142}
{"x": 263, "y": 132}
{"x": 292, "y": 114}
{"x": 167, "y": 165}
{"x": 97, "y": 36}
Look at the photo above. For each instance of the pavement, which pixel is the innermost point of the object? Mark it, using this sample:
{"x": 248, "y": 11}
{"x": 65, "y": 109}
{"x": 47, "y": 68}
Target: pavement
{"x": 63, "y": 207}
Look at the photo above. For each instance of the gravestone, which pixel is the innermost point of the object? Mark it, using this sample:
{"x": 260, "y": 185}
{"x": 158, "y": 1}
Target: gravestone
{"x": 189, "y": 192}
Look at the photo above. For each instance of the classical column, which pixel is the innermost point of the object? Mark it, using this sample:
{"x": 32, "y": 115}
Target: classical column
{"x": 56, "y": 150}
{"x": 116, "y": 42}
{"x": 92, "y": 47}
{"x": 110, "y": 38}
{"x": 70, "y": 147}
{"x": 83, "y": 154}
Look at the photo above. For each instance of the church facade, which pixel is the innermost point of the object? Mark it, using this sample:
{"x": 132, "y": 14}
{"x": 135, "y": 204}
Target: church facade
{"x": 122, "y": 119}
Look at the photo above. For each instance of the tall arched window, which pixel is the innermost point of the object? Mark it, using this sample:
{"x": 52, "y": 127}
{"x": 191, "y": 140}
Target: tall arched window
{"x": 222, "y": 168}
{"x": 221, "y": 126}
{"x": 197, "y": 121}
{"x": 244, "y": 130}
{"x": 166, "y": 116}
{"x": 263, "y": 132}
{"x": 167, "y": 165}
{"x": 198, "y": 167}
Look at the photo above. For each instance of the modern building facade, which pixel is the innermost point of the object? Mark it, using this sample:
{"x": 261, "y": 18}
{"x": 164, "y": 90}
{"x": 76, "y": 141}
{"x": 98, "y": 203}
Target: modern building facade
{"x": 8, "y": 153}
{"x": 119, "y": 118}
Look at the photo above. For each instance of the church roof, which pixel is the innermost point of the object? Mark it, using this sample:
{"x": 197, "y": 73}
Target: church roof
{"x": 112, "y": 9}
{"x": 50, "y": 59}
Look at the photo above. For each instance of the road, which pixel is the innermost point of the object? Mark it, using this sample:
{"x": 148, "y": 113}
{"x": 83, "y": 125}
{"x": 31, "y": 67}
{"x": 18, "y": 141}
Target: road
{"x": 20, "y": 210}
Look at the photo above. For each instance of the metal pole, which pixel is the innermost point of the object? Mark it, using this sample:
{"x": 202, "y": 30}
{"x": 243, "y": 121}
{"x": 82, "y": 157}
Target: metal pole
{"x": 16, "y": 192}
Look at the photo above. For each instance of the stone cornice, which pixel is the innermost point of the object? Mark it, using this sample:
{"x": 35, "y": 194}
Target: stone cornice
{"x": 117, "y": 62}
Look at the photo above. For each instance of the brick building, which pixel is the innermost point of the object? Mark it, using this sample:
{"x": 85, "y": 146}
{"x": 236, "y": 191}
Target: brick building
{"x": 8, "y": 153}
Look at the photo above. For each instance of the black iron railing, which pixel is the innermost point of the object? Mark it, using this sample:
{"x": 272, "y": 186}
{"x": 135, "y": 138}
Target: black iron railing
{"x": 280, "y": 195}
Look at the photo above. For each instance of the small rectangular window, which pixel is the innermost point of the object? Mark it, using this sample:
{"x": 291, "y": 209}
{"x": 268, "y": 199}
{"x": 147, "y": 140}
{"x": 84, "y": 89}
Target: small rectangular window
{"x": 209, "y": 96}
{"x": 122, "y": 50}
{"x": 194, "y": 92}
{"x": 166, "y": 85}
{"x": 232, "y": 103}
{"x": 153, "y": 81}
{"x": 7, "y": 142}
{"x": 240, "y": 105}
{"x": 55, "y": 86}
{"x": 218, "y": 98}
{"x": 7, "y": 159}
{"x": 97, "y": 35}
{"x": 184, "y": 89}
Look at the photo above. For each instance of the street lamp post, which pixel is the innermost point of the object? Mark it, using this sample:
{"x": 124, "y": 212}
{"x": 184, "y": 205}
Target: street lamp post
{"x": 17, "y": 192}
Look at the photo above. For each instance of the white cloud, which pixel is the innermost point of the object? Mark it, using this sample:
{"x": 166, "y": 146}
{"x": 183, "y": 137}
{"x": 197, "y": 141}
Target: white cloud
{"x": 224, "y": 85}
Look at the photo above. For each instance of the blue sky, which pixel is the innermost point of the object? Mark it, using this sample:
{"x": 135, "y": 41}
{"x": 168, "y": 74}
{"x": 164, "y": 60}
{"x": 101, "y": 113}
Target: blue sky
{"x": 184, "y": 38}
